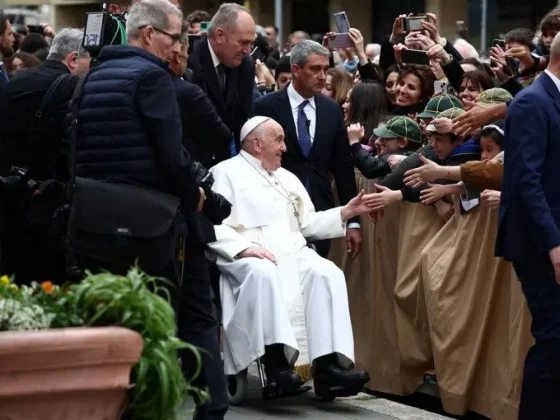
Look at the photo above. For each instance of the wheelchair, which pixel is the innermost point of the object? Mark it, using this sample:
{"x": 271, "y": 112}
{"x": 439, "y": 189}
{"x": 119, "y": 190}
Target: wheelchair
{"x": 238, "y": 385}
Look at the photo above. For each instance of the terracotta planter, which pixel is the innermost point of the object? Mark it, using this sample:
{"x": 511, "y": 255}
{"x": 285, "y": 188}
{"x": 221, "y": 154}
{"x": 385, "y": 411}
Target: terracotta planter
{"x": 66, "y": 374}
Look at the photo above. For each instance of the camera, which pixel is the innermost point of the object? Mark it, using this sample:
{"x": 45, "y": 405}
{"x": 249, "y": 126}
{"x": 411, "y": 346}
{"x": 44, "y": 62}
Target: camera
{"x": 216, "y": 207}
{"x": 102, "y": 29}
{"x": 17, "y": 178}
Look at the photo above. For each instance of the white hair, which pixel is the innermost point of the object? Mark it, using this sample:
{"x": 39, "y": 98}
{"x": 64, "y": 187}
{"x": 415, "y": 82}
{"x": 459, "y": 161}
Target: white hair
{"x": 67, "y": 41}
{"x": 226, "y": 18}
{"x": 150, "y": 13}
{"x": 302, "y": 50}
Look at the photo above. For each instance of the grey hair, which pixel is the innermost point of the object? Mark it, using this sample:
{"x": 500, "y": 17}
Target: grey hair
{"x": 67, "y": 41}
{"x": 150, "y": 13}
{"x": 185, "y": 26}
{"x": 226, "y": 18}
{"x": 302, "y": 50}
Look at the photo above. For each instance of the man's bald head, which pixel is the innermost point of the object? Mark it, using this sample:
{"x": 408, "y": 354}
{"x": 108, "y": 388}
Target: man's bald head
{"x": 266, "y": 143}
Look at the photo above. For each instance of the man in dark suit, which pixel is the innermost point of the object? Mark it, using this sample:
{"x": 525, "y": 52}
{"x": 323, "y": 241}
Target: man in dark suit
{"x": 6, "y": 48}
{"x": 224, "y": 70}
{"x": 203, "y": 131}
{"x": 529, "y": 230}
{"x": 316, "y": 138}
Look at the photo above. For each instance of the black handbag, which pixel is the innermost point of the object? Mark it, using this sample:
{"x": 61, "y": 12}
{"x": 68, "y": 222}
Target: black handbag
{"x": 114, "y": 224}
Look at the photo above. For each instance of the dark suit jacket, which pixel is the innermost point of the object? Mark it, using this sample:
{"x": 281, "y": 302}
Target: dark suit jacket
{"x": 330, "y": 151}
{"x": 204, "y": 132}
{"x": 529, "y": 218}
{"x": 237, "y": 106}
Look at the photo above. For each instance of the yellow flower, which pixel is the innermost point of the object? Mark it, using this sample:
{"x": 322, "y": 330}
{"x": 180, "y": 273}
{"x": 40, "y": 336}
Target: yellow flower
{"x": 4, "y": 280}
{"x": 47, "y": 287}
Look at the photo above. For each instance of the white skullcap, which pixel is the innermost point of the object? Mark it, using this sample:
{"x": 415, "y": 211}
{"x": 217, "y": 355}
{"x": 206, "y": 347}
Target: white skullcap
{"x": 251, "y": 125}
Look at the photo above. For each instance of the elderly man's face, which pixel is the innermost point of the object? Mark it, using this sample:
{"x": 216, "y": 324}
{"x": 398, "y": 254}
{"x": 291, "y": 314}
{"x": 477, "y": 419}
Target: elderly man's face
{"x": 235, "y": 45}
{"x": 271, "y": 146}
{"x": 163, "y": 42}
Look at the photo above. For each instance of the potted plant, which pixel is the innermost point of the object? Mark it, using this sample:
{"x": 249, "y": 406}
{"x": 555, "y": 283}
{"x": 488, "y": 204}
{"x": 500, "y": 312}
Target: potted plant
{"x": 67, "y": 352}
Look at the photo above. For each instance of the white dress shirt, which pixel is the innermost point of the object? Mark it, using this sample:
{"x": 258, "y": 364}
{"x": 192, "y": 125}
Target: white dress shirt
{"x": 311, "y": 113}
{"x": 310, "y": 110}
{"x": 555, "y": 79}
{"x": 215, "y": 61}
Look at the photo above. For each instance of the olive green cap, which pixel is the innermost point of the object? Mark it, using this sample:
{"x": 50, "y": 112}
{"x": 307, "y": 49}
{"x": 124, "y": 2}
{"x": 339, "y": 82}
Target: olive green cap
{"x": 439, "y": 104}
{"x": 400, "y": 128}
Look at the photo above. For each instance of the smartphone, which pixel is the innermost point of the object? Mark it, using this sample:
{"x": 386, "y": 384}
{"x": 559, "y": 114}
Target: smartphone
{"x": 513, "y": 65}
{"x": 440, "y": 86}
{"x": 413, "y": 23}
{"x": 415, "y": 57}
{"x": 204, "y": 26}
{"x": 257, "y": 54}
{"x": 193, "y": 41}
{"x": 499, "y": 43}
{"x": 341, "y": 21}
{"x": 36, "y": 29}
{"x": 339, "y": 41}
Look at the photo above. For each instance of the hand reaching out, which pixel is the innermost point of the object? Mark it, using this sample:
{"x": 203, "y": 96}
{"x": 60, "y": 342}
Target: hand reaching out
{"x": 355, "y": 133}
{"x": 433, "y": 193}
{"x": 491, "y": 198}
{"x": 417, "y": 177}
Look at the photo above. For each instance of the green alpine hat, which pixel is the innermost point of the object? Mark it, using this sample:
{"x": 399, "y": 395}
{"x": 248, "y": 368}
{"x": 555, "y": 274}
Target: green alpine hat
{"x": 451, "y": 113}
{"x": 400, "y": 128}
{"x": 440, "y": 103}
{"x": 494, "y": 96}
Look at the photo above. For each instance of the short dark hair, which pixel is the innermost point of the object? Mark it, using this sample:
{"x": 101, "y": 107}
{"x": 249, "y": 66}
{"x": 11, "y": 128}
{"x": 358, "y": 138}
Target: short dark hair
{"x": 551, "y": 22}
{"x": 479, "y": 66}
{"x": 521, "y": 36}
{"x": 283, "y": 66}
{"x": 478, "y": 78}
{"x": 3, "y": 21}
{"x": 33, "y": 43}
{"x": 199, "y": 16}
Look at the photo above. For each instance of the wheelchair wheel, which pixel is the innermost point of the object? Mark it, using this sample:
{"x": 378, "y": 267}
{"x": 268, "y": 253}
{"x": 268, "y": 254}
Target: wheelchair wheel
{"x": 238, "y": 386}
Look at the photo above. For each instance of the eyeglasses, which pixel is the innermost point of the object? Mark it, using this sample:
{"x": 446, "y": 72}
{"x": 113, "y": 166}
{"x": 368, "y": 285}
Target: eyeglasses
{"x": 174, "y": 37}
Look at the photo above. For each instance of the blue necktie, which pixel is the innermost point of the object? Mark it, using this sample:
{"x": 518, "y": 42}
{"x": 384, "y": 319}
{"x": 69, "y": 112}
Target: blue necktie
{"x": 303, "y": 129}
{"x": 232, "y": 148}
{"x": 3, "y": 72}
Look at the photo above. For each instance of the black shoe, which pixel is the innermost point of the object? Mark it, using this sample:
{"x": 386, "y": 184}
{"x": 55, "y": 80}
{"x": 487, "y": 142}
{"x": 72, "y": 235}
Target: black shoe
{"x": 285, "y": 379}
{"x": 335, "y": 382}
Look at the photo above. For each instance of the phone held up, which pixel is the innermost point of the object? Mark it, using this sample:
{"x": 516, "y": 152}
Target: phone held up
{"x": 257, "y": 54}
{"x": 415, "y": 57}
{"x": 341, "y": 39}
{"x": 413, "y": 23}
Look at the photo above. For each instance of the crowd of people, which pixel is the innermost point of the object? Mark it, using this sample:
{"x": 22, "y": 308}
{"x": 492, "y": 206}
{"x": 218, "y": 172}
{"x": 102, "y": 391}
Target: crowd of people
{"x": 214, "y": 155}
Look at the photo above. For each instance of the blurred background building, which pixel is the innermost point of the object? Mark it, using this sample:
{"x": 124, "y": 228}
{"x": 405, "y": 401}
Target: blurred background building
{"x": 373, "y": 17}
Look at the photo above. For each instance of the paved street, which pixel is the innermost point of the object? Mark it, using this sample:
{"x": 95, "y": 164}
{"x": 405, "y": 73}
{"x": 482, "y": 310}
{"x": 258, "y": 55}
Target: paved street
{"x": 307, "y": 406}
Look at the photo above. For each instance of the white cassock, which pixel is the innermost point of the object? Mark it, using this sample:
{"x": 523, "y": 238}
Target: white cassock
{"x": 301, "y": 302}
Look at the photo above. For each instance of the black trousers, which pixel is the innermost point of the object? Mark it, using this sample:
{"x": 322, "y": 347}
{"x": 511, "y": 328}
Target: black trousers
{"x": 199, "y": 327}
{"x": 322, "y": 247}
{"x": 541, "y": 373}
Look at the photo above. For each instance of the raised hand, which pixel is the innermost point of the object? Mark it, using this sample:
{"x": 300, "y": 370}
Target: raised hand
{"x": 417, "y": 177}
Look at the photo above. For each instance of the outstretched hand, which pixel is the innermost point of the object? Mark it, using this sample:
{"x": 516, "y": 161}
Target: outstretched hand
{"x": 417, "y": 177}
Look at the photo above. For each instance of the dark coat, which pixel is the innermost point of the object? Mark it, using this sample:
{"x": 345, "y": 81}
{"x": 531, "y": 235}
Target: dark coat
{"x": 39, "y": 149}
{"x": 330, "y": 152}
{"x": 204, "y": 132}
{"x": 529, "y": 217}
{"x": 129, "y": 125}
{"x": 236, "y": 106}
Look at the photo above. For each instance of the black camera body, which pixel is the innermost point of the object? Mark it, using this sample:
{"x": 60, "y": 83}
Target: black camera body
{"x": 216, "y": 207}
{"x": 17, "y": 179}
{"x": 102, "y": 29}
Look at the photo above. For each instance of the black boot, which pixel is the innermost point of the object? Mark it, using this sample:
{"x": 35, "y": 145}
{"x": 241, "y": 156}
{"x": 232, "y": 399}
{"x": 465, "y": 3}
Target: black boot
{"x": 332, "y": 380}
{"x": 278, "y": 371}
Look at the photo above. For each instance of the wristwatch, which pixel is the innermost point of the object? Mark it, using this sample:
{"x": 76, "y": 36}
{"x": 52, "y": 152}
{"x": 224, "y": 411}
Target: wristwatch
{"x": 447, "y": 61}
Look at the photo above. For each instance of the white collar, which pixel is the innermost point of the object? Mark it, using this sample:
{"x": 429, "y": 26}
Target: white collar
{"x": 215, "y": 59}
{"x": 252, "y": 160}
{"x": 296, "y": 99}
{"x": 555, "y": 79}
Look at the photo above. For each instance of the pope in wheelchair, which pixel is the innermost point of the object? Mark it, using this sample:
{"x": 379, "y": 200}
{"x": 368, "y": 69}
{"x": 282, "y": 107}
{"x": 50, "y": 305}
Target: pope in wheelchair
{"x": 281, "y": 301}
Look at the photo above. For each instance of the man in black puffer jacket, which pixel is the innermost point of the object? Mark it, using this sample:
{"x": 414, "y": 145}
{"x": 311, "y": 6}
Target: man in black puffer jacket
{"x": 129, "y": 124}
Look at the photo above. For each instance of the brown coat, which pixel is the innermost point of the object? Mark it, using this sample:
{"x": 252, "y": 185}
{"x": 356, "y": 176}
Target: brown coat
{"x": 484, "y": 174}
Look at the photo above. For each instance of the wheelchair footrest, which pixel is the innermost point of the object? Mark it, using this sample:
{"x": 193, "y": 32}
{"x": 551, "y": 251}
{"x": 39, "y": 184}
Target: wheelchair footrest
{"x": 271, "y": 391}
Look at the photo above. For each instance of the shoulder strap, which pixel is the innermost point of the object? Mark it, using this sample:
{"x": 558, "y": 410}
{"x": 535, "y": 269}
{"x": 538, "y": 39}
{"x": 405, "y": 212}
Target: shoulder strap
{"x": 74, "y": 108}
{"x": 50, "y": 93}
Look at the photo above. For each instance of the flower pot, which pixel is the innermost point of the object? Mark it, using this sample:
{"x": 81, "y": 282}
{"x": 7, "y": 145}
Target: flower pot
{"x": 66, "y": 374}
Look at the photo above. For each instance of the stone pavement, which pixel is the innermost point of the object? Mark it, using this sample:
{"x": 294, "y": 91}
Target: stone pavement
{"x": 307, "y": 406}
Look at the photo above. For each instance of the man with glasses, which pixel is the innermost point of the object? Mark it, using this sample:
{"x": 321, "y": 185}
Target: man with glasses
{"x": 129, "y": 126}
{"x": 224, "y": 70}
